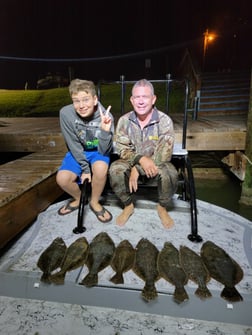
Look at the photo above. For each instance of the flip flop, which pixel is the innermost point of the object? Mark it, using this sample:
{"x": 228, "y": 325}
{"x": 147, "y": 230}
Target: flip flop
{"x": 68, "y": 208}
{"x": 101, "y": 213}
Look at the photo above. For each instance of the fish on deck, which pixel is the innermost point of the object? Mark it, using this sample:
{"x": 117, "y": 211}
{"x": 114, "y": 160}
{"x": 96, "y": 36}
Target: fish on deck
{"x": 222, "y": 268}
{"x": 101, "y": 251}
{"x": 196, "y": 270}
{"x": 170, "y": 269}
{"x": 122, "y": 261}
{"x": 145, "y": 267}
{"x": 51, "y": 258}
{"x": 75, "y": 257}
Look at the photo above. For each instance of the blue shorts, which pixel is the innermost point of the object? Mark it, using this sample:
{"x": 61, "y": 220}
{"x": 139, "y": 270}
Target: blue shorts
{"x": 70, "y": 163}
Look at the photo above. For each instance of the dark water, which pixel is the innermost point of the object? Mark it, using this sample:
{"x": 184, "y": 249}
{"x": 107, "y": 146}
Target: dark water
{"x": 222, "y": 191}
{"x": 6, "y": 157}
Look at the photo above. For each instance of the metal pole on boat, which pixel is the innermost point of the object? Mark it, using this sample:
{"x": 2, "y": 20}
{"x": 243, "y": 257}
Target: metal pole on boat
{"x": 83, "y": 200}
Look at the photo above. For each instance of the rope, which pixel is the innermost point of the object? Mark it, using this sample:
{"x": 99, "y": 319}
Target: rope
{"x": 97, "y": 59}
{"x": 248, "y": 159}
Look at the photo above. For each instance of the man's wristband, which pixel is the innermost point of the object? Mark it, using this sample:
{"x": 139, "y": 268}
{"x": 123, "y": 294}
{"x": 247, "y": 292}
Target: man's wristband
{"x": 137, "y": 159}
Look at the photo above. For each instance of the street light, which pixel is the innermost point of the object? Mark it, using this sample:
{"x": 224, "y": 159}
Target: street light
{"x": 208, "y": 38}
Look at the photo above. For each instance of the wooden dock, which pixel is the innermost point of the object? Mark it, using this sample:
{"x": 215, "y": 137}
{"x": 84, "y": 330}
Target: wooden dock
{"x": 209, "y": 133}
{"x": 27, "y": 187}
{"x": 28, "y": 184}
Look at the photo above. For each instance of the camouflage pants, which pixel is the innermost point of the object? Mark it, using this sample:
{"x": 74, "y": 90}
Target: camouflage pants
{"x": 166, "y": 181}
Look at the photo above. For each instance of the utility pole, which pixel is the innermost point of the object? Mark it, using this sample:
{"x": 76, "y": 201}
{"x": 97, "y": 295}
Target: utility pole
{"x": 208, "y": 38}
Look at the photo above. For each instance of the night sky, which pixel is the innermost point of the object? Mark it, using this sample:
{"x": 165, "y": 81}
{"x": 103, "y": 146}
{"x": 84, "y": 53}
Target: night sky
{"x": 52, "y": 29}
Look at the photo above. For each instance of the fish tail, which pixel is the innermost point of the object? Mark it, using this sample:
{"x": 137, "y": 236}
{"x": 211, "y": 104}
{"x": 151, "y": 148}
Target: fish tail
{"x": 45, "y": 277}
{"x": 231, "y": 294}
{"x": 180, "y": 294}
{"x": 149, "y": 293}
{"x": 91, "y": 279}
{"x": 57, "y": 278}
{"x": 117, "y": 278}
{"x": 203, "y": 292}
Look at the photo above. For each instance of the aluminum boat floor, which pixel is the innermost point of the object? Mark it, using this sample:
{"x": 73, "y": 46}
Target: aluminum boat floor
{"x": 29, "y": 306}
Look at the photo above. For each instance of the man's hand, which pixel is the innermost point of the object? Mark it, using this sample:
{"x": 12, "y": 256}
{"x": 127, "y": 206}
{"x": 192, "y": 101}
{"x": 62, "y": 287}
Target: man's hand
{"x": 150, "y": 169}
{"x": 133, "y": 185}
{"x": 106, "y": 120}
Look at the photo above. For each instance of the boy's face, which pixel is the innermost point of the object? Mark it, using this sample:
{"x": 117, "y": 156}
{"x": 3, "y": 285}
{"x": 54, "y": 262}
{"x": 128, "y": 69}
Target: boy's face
{"x": 84, "y": 103}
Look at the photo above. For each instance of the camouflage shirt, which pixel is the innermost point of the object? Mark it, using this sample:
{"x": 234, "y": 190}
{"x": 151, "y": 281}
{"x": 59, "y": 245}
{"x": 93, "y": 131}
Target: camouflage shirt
{"x": 155, "y": 140}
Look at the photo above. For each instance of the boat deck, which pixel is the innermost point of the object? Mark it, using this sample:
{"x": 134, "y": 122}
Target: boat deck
{"x": 108, "y": 308}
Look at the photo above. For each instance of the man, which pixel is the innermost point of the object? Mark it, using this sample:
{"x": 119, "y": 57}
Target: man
{"x": 144, "y": 142}
{"x": 88, "y": 132}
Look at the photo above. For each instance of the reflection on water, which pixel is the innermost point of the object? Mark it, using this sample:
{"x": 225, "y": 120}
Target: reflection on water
{"x": 223, "y": 193}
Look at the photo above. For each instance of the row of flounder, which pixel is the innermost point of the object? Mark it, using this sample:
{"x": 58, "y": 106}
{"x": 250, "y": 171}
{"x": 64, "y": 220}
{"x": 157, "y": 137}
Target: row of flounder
{"x": 176, "y": 266}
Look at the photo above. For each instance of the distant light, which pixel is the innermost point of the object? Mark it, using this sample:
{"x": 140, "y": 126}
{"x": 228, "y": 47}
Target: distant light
{"x": 208, "y": 38}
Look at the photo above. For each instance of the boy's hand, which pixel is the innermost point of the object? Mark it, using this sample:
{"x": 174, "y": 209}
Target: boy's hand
{"x": 106, "y": 120}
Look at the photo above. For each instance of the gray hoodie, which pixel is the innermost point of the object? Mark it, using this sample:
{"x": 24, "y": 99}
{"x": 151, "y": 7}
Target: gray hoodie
{"x": 82, "y": 134}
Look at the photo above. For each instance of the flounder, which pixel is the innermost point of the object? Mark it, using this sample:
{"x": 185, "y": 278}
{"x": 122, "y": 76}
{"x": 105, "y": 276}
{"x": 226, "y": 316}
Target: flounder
{"x": 224, "y": 269}
{"x": 170, "y": 269}
{"x": 75, "y": 257}
{"x": 122, "y": 261}
{"x": 196, "y": 270}
{"x": 146, "y": 267}
{"x": 101, "y": 251}
{"x": 51, "y": 258}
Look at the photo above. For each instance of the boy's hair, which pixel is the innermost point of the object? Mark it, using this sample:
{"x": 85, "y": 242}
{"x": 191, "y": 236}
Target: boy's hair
{"x": 144, "y": 82}
{"x": 77, "y": 85}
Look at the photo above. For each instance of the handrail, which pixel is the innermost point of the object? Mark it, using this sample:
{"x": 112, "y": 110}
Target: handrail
{"x": 188, "y": 70}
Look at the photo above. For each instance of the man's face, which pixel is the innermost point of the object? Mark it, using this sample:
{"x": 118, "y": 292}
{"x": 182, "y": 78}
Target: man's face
{"x": 84, "y": 103}
{"x": 142, "y": 100}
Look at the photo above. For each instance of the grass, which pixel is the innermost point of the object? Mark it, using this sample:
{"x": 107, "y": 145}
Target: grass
{"x": 46, "y": 103}
{"x": 27, "y": 103}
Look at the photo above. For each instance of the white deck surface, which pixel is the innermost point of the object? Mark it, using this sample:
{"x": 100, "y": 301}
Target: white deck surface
{"x": 31, "y": 307}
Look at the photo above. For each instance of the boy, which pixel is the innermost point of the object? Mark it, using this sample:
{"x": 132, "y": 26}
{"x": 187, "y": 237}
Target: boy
{"x": 88, "y": 133}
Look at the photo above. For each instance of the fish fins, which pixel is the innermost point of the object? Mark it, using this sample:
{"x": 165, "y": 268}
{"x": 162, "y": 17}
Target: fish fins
{"x": 45, "y": 278}
{"x": 117, "y": 279}
{"x": 180, "y": 295}
{"x": 58, "y": 278}
{"x": 90, "y": 280}
{"x": 231, "y": 294}
{"x": 149, "y": 293}
{"x": 203, "y": 293}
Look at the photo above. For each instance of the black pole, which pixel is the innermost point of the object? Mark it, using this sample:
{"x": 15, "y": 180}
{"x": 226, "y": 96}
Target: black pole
{"x": 122, "y": 80}
{"x": 185, "y": 116}
{"x": 83, "y": 200}
{"x": 168, "y": 82}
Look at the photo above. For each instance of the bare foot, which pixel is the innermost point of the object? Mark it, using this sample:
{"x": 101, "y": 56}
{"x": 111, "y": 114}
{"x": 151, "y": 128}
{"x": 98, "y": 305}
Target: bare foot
{"x": 124, "y": 216}
{"x": 165, "y": 218}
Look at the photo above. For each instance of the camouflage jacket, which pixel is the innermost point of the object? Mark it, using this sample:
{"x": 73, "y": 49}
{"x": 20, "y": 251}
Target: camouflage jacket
{"x": 155, "y": 140}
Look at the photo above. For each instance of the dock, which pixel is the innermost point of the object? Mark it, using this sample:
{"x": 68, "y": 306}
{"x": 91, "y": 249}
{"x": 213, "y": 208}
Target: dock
{"x": 28, "y": 184}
